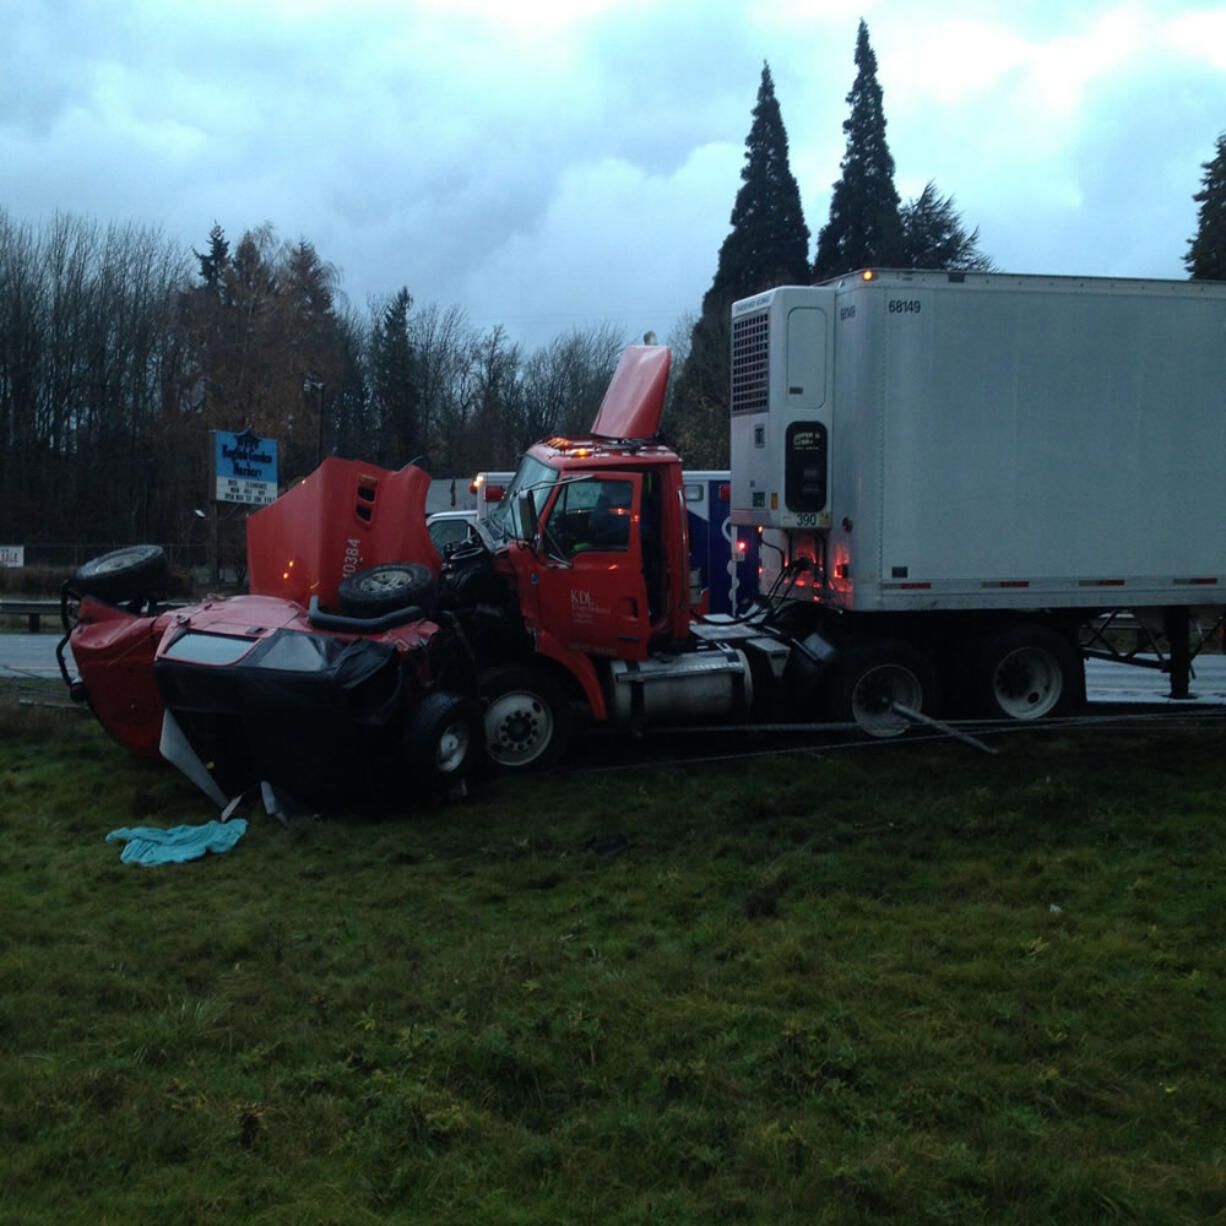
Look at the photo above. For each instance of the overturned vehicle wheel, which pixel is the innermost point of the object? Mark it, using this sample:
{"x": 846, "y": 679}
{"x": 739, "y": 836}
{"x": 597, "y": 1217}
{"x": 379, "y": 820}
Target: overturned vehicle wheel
{"x": 123, "y": 574}
{"x": 443, "y": 740}
{"x": 379, "y": 590}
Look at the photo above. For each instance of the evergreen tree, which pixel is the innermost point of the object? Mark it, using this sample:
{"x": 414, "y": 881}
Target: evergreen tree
{"x": 934, "y": 237}
{"x": 310, "y": 283}
{"x": 769, "y": 241}
{"x": 393, "y": 383}
{"x": 213, "y": 263}
{"x": 1206, "y": 258}
{"x": 864, "y": 227}
{"x": 767, "y": 246}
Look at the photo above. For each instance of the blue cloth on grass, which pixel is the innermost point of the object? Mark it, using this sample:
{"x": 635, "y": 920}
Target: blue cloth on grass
{"x": 149, "y": 845}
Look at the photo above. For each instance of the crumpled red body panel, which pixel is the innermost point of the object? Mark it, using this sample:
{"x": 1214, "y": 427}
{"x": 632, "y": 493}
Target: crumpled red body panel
{"x": 114, "y": 653}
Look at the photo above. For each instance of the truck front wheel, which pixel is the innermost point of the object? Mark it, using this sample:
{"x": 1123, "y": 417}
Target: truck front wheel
{"x": 870, "y": 680}
{"x": 1026, "y": 672}
{"x": 527, "y": 719}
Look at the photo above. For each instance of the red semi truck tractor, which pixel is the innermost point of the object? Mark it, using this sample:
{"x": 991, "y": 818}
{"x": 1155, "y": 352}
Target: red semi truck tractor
{"x": 952, "y": 479}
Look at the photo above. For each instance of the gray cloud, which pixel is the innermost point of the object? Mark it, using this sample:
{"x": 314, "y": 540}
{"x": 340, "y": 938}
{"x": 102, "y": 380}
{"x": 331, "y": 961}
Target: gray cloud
{"x": 542, "y": 170}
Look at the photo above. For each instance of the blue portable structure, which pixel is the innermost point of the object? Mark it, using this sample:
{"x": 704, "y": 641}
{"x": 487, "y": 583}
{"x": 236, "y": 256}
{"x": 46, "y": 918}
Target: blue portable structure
{"x": 723, "y": 556}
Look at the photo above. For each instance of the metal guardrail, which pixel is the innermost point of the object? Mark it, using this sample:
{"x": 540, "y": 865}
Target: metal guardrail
{"x": 34, "y": 610}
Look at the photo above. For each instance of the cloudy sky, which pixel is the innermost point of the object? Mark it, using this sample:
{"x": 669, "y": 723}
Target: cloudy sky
{"x": 552, "y": 165}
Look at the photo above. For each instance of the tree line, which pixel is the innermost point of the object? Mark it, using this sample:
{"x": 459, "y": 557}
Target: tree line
{"x": 120, "y": 351}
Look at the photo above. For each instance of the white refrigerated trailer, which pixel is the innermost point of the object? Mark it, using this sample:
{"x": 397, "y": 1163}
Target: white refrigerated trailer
{"x": 978, "y": 468}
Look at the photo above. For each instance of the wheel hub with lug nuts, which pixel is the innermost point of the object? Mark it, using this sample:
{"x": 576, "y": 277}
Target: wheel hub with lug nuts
{"x": 1028, "y": 683}
{"x": 384, "y": 581}
{"x": 518, "y": 728}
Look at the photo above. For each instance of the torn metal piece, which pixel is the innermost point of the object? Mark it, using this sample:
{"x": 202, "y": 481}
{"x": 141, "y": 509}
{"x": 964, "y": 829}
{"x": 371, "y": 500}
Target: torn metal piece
{"x": 177, "y": 750}
{"x": 280, "y": 804}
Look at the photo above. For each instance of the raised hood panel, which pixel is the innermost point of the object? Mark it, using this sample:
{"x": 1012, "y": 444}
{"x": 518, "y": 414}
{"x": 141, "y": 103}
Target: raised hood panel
{"x": 634, "y": 401}
{"x": 345, "y": 516}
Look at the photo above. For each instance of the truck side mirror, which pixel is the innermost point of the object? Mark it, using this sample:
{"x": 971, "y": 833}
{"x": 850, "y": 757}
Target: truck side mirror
{"x": 527, "y": 516}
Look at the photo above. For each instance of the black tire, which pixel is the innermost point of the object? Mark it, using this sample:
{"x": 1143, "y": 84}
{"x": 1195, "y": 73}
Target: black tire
{"x": 527, "y": 718}
{"x": 124, "y": 574}
{"x": 443, "y": 740}
{"x": 867, "y": 678}
{"x": 385, "y": 589}
{"x": 1025, "y": 672}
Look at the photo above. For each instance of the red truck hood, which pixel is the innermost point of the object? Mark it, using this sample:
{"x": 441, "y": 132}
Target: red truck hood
{"x": 345, "y": 516}
{"x": 634, "y": 400}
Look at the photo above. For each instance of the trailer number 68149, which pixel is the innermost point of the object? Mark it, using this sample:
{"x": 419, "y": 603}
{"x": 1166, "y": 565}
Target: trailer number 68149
{"x": 905, "y": 306}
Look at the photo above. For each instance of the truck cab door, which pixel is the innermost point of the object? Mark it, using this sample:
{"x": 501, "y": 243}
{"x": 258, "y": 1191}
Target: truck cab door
{"x": 591, "y": 589}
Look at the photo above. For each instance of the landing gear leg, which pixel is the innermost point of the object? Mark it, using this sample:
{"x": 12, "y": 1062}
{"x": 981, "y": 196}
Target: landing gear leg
{"x": 1175, "y": 625}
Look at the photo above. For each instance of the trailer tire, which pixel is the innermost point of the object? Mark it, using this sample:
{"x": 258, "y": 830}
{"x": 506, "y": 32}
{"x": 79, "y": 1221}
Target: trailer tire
{"x": 443, "y": 740}
{"x": 123, "y": 574}
{"x": 383, "y": 589}
{"x": 1027, "y": 671}
{"x": 867, "y": 678}
{"x": 527, "y": 718}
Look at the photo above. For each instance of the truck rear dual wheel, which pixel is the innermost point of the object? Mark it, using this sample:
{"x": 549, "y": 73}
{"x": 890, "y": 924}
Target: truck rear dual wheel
{"x": 527, "y": 718}
{"x": 870, "y": 680}
{"x": 1026, "y": 672}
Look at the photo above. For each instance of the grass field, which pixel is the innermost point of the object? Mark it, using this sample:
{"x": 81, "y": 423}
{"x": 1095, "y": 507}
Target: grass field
{"x": 902, "y": 984}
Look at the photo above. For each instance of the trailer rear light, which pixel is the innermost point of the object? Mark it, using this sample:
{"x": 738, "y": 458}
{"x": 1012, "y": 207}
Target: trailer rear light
{"x": 493, "y": 493}
{"x": 1207, "y": 582}
{"x": 741, "y": 546}
{"x": 725, "y": 492}
{"x": 1100, "y": 582}
{"x": 1005, "y": 583}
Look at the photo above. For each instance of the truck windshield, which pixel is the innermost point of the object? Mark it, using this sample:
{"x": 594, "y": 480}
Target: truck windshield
{"x": 532, "y": 476}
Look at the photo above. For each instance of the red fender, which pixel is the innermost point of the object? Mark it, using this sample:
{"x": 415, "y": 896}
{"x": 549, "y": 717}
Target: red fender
{"x": 579, "y": 666}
